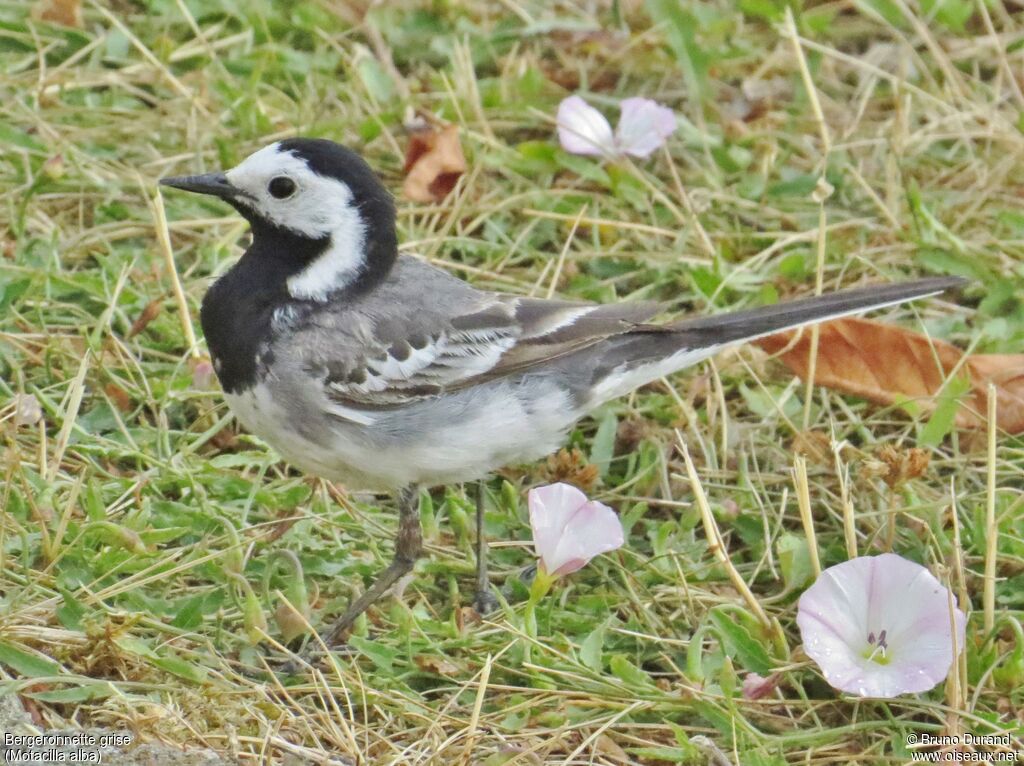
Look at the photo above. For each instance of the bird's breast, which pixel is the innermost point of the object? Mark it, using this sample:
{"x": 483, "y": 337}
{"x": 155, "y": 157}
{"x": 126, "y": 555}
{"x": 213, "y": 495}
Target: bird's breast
{"x": 450, "y": 438}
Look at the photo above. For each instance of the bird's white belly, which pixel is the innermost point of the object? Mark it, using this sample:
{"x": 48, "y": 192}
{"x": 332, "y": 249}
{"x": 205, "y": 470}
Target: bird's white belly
{"x": 263, "y": 415}
{"x": 453, "y": 438}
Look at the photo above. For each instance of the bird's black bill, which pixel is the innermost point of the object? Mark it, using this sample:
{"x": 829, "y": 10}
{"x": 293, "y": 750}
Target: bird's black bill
{"x": 215, "y": 184}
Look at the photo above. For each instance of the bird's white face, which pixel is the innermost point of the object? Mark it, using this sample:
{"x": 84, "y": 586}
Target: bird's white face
{"x": 282, "y": 189}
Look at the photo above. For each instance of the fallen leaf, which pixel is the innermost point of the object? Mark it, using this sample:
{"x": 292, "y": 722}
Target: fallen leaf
{"x": 433, "y": 163}
{"x": 465, "y": 617}
{"x": 814, "y": 445}
{"x": 429, "y": 663}
{"x": 512, "y": 754}
{"x": 630, "y": 432}
{"x": 30, "y": 706}
{"x": 888, "y": 364}
{"x": 609, "y": 748}
{"x": 287, "y": 520}
{"x": 65, "y": 12}
{"x": 712, "y": 752}
{"x": 290, "y": 621}
{"x": 149, "y": 313}
{"x": 121, "y": 399}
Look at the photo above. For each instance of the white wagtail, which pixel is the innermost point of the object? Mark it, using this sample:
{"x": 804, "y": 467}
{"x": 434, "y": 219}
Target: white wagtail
{"x": 380, "y": 371}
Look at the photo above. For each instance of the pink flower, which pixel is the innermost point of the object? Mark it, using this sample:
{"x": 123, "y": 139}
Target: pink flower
{"x": 643, "y": 127}
{"x": 569, "y": 530}
{"x": 202, "y": 374}
{"x": 879, "y": 626}
{"x": 756, "y": 686}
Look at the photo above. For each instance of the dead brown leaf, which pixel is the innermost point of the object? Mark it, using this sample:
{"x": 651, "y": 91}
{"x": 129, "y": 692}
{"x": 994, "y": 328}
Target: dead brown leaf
{"x": 609, "y": 748}
{"x": 277, "y": 530}
{"x": 291, "y": 622}
{"x": 630, "y": 432}
{"x": 466, "y": 616}
{"x": 816, "y": 446}
{"x": 149, "y": 313}
{"x": 29, "y": 705}
{"x": 433, "y": 163}
{"x": 65, "y": 12}
{"x": 121, "y": 399}
{"x": 430, "y": 663}
{"x": 885, "y": 364}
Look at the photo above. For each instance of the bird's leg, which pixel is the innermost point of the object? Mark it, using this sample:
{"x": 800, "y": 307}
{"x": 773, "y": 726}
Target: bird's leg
{"x": 484, "y": 601}
{"x": 408, "y": 544}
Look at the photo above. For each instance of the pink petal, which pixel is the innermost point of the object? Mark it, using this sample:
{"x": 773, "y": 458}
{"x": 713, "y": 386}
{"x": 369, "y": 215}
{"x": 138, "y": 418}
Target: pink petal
{"x": 592, "y": 530}
{"x": 756, "y": 686}
{"x": 582, "y": 129}
{"x": 569, "y": 567}
{"x": 568, "y": 530}
{"x": 550, "y": 509}
{"x": 857, "y": 599}
{"x": 202, "y": 375}
{"x": 643, "y": 127}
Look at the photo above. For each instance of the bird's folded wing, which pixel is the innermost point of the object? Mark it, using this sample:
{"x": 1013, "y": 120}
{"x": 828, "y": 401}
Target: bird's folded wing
{"x": 406, "y": 358}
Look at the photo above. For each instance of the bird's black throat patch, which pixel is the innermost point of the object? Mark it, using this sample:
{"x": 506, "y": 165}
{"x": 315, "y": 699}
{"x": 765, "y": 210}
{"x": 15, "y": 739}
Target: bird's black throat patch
{"x": 238, "y": 310}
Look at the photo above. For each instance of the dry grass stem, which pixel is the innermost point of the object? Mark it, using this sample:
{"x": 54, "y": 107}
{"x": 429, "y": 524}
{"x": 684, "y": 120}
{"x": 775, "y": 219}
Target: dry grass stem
{"x": 991, "y": 528}
{"x": 803, "y": 498}
{"x": 716, "y": 545}
{"x": 815, "y": 147}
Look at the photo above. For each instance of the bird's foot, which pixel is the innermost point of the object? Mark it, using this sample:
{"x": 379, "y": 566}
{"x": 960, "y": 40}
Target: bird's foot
{"x": 485, "y": 602}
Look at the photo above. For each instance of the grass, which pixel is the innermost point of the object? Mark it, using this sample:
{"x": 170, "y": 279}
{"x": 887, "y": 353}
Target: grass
{"x": 146, "y": 543}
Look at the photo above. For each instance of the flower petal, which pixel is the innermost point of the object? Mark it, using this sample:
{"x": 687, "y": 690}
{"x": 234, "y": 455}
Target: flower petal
{"x": 592, "y": 530}
{"x": 568, "y": 530}
{"x": 551, "y": 507}
{"x": 835, "y": 606}
{"x": 843, "y": 616}
{"x": 582, "y": 129}
{"x": 756, "y": 686}
{"x": 919, "y": 608}
{"x": 643, "y": 126}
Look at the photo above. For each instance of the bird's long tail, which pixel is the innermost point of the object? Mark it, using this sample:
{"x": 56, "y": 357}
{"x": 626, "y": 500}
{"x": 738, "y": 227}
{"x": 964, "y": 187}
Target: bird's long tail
{"x": 756, "y": 323}
{"x": 637, "y": 358}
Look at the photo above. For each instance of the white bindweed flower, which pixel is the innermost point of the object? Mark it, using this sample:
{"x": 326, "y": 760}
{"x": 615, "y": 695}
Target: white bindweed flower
{"x": 569, "y": 530}
{"x": 879, "y": 626}
{"x": 643, "y": 127}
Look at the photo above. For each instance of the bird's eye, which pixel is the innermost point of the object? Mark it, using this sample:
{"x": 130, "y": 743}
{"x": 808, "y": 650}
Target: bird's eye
{"x": 281, "y": 187}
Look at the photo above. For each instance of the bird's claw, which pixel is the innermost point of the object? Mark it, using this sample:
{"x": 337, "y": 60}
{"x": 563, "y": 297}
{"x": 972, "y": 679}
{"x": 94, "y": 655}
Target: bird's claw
{"x": 485, "y": 602}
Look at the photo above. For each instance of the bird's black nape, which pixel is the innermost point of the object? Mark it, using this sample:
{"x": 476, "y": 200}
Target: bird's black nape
{"x": 376, "y": 206}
